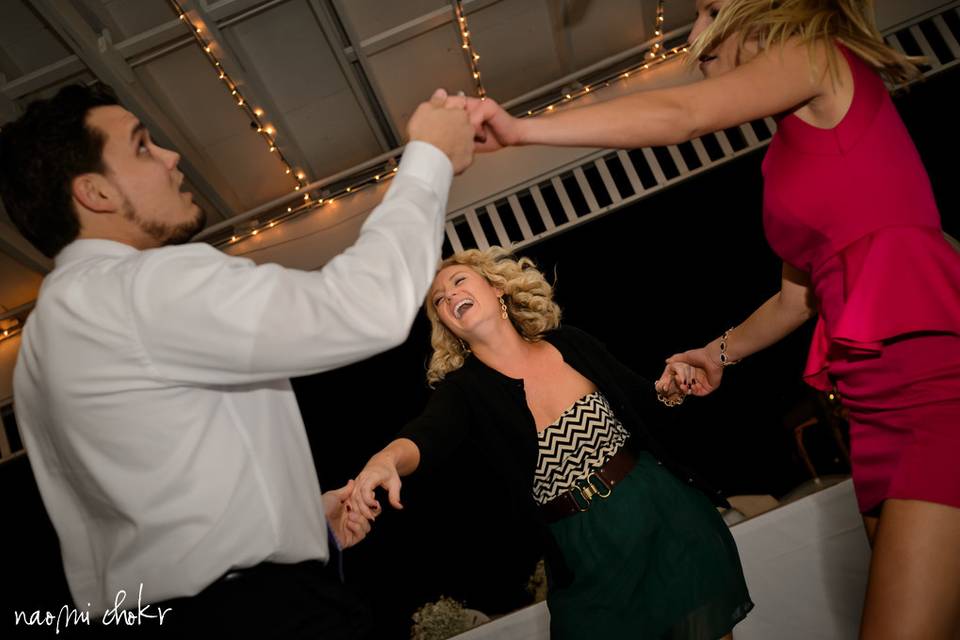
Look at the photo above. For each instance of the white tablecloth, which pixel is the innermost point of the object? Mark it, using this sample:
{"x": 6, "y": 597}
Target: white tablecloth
{"x": 806, "y": 567}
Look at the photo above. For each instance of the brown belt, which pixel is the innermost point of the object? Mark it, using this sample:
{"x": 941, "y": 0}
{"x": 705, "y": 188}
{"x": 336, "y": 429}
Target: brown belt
{"x": 597, "y": 484}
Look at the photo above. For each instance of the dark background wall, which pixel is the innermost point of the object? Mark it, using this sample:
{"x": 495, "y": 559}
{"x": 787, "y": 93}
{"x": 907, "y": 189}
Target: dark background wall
{"x": 663, "y": 275}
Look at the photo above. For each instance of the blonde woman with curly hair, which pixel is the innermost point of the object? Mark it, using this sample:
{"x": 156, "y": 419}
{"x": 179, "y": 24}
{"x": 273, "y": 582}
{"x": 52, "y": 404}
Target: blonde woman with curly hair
{"x": 633, "y": 550}
{"x": 849, "y": 208}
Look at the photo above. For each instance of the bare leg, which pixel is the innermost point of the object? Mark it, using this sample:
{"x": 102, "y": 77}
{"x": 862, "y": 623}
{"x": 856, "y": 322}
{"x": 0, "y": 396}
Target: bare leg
{"x": 914, "y": 587}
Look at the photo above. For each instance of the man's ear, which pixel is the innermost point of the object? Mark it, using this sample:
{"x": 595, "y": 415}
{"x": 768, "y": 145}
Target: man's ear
{"x": 94, "y": 192}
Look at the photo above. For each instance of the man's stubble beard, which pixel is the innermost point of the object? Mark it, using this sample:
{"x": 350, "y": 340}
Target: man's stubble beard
{"x": 166, "y": 234}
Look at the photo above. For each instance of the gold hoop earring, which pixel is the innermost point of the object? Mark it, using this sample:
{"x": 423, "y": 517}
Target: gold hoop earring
{"x": 503, "y": 308}
{"x": 464, "y": 346}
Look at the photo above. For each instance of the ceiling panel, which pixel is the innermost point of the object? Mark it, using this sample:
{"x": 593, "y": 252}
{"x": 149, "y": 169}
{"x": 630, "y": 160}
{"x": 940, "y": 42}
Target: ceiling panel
{"x": 525, "y": 45}
{"x": 26, "y": 40}
{"x": 200, "y": 105}
{"x": 288, "y": 52}
{"x": 433, "y": 59}
{"x": 599, "y": 29}
{"x": 370, "y": 17}
{"x": 132, "y": 17}
{"x": 331, "y": 135}
{"x": 517, "y": 47}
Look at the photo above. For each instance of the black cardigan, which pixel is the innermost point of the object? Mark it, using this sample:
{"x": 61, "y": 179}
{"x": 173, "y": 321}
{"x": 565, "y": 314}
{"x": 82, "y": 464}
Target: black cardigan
{"x": 479, "y": 412}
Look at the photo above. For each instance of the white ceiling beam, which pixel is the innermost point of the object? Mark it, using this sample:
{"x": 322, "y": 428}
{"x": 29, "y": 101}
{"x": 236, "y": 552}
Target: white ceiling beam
{"x": 99, "y": 55}
{"x": 377, "y": 118}
{"x": 43, "y": 77}
{"x": 414, "y": 28}
{"x": 334, "y": 10}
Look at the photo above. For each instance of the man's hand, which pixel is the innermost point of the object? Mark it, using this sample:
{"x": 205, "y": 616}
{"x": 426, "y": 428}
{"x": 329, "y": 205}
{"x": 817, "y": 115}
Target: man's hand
{"x": 348, "y": 526}
{"x": 444, "y": 124}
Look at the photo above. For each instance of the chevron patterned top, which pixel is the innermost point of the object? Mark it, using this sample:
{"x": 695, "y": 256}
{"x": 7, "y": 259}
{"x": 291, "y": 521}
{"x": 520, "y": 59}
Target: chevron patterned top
{"x": 582, "y": 439}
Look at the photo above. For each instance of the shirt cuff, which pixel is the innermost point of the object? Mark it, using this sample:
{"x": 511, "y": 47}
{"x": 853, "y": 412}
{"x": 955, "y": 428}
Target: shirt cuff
{"x": 424, "y": 162}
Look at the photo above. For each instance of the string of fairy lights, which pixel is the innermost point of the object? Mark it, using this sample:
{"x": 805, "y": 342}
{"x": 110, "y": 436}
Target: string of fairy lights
{"x": 370, "y": 177}
{"x": 607, "y": 81}
{"x": 656, "y": 56}
{"x": 11, "y": 326}
{"x": 657, "y": 47}
{"x": 473, "y": 58}
{"x": 267, "y": 131}
{"x": 10, "y": 331}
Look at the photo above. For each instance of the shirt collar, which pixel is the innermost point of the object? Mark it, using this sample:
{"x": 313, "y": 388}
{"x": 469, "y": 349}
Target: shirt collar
{"x": 91, "y": 247}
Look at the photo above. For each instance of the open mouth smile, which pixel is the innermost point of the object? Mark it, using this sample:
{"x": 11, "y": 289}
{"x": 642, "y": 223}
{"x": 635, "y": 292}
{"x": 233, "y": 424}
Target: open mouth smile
{"x": 462, "y": 307}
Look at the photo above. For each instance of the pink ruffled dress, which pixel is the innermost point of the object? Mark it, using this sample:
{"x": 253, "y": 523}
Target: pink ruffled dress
{"x": 852, "y": 206}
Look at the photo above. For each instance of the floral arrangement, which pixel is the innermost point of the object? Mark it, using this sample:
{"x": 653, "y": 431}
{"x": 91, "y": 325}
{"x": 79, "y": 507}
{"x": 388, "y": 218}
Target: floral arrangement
{"x": 537, "y": 586}
{"x": 444, "y": 619}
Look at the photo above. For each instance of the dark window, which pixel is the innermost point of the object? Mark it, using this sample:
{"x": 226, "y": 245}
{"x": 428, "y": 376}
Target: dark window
{"x": 531, "y": 213}
{"x": 615, "y": 167}
{"x": 735, "y": 136}
{"x": 689, "y": 155}
{"x": 647, "y": 179}
{"x": 509, "y": 221}
{"x": 712, "y": 146}
{"x": 467, "y": 240}
{"x": 599, "y": 189}
{"x": 487, "y": 225}
{"x": 554, "y": 206}
{"x": 666, "y": 163}
{"x": 572, "y": 188}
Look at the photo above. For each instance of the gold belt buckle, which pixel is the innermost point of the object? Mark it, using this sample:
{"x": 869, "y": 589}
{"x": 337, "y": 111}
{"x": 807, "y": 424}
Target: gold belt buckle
{"x": 603, "y": 483}
{"x": 587, "y": 488}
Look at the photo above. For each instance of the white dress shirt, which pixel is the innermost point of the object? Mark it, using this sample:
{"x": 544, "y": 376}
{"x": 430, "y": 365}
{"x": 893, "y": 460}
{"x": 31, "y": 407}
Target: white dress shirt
{"x": 152, "y": 392}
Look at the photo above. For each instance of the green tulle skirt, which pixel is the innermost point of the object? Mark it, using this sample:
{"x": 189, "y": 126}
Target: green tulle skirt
{"x": 653, "y": 560}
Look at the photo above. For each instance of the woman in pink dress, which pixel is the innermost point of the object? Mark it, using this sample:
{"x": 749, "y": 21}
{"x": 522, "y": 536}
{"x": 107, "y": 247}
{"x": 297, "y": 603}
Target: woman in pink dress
{"x": 849, "y": 208}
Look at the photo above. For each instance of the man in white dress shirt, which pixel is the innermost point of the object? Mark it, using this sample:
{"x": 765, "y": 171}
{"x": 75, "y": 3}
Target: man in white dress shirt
{"x": 152, "y": 388}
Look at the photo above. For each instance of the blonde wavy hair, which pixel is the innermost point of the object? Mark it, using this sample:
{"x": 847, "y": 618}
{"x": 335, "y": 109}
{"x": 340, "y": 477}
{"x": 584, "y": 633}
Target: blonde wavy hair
{"x": 773, "y": 22}
{"x": 526, "y": 293}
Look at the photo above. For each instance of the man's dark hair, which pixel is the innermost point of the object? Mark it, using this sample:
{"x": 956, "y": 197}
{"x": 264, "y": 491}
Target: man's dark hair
{"x": 41, "y": 153}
